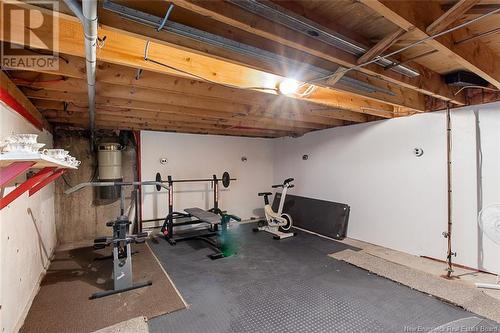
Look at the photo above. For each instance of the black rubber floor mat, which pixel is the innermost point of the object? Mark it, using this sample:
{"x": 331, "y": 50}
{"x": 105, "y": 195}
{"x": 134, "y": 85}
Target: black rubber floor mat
{"x": 288, "y": 286}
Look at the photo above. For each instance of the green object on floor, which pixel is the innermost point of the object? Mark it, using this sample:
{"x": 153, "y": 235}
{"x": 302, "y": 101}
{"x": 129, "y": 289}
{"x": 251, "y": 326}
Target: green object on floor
{"x": 229, "y": 245}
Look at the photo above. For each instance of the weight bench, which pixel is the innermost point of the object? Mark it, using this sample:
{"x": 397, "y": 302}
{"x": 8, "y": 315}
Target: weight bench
{"x": 203, "y": 215}
{"x": 198, "y": 216}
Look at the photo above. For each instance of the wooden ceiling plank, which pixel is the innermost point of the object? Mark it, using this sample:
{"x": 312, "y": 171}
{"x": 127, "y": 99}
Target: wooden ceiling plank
{"x": 80, "y": 100}
{"x": 114, "y": 95}
{"x": 165, "y": 113}
{"x": 479, "y": 9}
{"x": 476, "y": 56}
{"x": 127, "y": 49}
{"x": 399, "y": 95}
{"x": 119, "y": 123}
{"x": 450, "y": 16}
{"x": 428, "y": 82}
{"x": 200, "y": 117}
{"x": 20, "y": 98}
{"x": 125, "y": 76}
{"x": 383, "y": 45}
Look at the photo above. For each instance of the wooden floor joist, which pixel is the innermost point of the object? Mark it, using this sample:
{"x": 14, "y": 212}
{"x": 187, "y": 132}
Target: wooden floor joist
{"x": 475, "y": 56}
{"x": 203, "y": 116}
{"x": 384, "y": 44}
{"x": 428, "y": 82}
{"x": 128, "y": 50}
{"x": 398, "y": 96}
{"x": 15, "y": 99}
{"x": 328, "y": 118}
{"x": 149, "y": 79}
{"x": 117, "y": 123}
{"x": 125, "y": 77}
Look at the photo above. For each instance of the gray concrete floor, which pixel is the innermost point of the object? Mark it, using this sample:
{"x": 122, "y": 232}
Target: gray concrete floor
{"x": 290, "y": 286}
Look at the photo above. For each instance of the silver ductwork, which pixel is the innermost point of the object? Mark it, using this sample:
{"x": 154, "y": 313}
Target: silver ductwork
{"x": 87, "y": 13}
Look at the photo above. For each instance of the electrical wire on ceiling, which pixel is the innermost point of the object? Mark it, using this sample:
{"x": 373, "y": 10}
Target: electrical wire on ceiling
{"x": 311, "y": 87}
{"x": 418, "y": 42}
{"x": 478, "y": 87}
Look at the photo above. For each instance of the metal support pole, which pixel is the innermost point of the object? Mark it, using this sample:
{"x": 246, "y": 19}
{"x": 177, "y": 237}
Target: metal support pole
{"x": 122, "y": 201}
{"x": 448, "y": 234}
{"x": 170, "y": 222}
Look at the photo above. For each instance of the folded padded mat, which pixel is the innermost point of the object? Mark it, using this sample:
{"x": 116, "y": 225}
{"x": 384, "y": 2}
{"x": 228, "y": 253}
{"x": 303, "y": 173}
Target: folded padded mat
{"x": 326, "y": 218}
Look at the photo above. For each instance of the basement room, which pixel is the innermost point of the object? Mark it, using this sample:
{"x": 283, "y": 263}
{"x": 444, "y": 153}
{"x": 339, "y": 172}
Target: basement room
{"x": 249, "y": 166}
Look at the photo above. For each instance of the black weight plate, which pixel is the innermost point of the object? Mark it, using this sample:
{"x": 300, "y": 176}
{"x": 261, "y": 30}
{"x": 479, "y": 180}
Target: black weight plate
{"x": 226, "y": 179}
{"x": 158, "y": 179}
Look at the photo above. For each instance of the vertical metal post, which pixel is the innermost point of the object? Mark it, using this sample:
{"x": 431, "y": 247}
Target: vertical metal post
{"x": 122, "y": 200}
{"x": 216, "y": 194}
{"x": 137, "y": 208}
{"x": 170, "y": 223}
{"x": 450, "y": 197}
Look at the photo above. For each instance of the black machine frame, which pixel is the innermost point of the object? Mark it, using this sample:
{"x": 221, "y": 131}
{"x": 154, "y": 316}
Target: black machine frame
{"x": 207, "y": 235}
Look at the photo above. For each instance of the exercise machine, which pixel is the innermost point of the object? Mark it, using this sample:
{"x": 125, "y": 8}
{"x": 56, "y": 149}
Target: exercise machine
{"x": 277, "y": 223}
{"x": 214, "y": 220}
{"x": 120, "y": 240}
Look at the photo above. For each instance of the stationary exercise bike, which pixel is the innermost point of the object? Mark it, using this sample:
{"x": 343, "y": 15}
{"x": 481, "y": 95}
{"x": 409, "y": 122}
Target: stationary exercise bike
{"x": 277, "y": 223}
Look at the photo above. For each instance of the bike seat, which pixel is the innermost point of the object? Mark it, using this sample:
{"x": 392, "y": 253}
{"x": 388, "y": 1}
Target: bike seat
{"x": 288, "y": 180}
{"x": 265, "y": 193}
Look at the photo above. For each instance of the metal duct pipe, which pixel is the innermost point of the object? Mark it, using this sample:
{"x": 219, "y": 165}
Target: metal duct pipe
{"x": 87, "y": 14}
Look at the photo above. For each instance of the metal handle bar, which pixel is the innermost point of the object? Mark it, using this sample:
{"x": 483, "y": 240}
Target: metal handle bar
{"x": 82, "y": 185}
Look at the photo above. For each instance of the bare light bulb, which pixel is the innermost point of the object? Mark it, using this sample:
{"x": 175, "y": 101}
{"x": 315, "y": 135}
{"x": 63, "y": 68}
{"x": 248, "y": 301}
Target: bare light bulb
{"x": 288, "y": 86}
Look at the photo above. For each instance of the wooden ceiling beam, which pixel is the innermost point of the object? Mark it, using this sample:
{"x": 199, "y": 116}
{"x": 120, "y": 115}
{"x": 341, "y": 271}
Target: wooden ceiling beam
{"x": 202, "y": 116}
{"x": 173, "y": 111}
{"x": 176, "y": 119}
{"x": 479, "y": 9}
{"x": 15, "y": 98}
{"x": 128, "y": 49}
{"x": 383, "y": 45}
{"x": 428, "y": 82}
{"x": 80, "y": 100}
{"x": 126, "y": 76}
{"x": 110, "y": 122}
{"x": 450, "y": 16}
{"x": 476, "y": 56}
{"x": 123, "y": 96}
{"x": 398, "y": 95}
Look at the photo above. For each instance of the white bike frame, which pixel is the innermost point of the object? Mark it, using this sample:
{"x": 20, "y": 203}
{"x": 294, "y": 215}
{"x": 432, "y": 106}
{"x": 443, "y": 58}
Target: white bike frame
{"x": 275, "y": 220}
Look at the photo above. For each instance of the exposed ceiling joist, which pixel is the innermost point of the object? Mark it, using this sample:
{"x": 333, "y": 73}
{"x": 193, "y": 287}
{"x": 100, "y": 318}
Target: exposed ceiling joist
{"x": 161, "y": 118}
{"x": 124, "y": 96}
{"x": 170, "y": 112}
{"x": 428, "y": 82}
{"x": 127, "y": 76}
{"x": 384, "y": 44}
{"x": 479, "y": 9}
{"x": 128, "y": 49}
{"x": 475, "y": 56}
{"x": 450, "y": 16}
{"x": 256, "y": 52}
{"x": 111, "y": 122}
{"x": 12, "y": 91}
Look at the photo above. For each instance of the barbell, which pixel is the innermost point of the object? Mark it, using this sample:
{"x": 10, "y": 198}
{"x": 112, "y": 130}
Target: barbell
{"x": 225, "y": 179}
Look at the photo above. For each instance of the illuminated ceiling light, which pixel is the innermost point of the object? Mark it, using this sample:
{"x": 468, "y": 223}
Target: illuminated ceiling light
{"x": 288, "y": 86}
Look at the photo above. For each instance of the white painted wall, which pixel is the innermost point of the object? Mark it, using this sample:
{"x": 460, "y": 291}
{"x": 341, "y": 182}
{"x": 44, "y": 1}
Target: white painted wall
{"x": 398, "y": 200}
{"x": 27, "y": 236}
{"x": 201, "y": 156}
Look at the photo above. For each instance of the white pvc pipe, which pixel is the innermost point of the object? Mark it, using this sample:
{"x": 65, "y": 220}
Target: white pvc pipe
{"x": 488, "y": 286}
{"x": 88, "y": 16}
